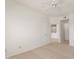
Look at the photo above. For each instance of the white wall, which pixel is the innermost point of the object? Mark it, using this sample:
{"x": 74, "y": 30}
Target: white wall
{"x": 26, "y": 29}
{"x": 66, "y": 29}
{"x": 62, "y": 32}
{"x": 71, "y": 29}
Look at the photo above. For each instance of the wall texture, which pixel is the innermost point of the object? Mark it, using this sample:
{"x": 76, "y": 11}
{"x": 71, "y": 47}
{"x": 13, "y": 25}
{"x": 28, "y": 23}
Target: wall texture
{"x": 26, "y": 29}
{"x": 71, "y": 30}
{"x": 66, "y": 29}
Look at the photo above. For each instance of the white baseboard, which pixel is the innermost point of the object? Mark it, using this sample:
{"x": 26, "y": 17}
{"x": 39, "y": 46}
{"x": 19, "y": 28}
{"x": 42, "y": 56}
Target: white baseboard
{"x": 22, "y": 51}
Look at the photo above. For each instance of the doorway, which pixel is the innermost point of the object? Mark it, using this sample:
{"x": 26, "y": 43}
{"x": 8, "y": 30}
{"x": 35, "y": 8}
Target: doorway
{"x": 64, "y": 31}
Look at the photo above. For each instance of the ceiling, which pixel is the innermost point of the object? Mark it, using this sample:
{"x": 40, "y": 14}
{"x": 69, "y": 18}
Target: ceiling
{"x": 64, "y": 7}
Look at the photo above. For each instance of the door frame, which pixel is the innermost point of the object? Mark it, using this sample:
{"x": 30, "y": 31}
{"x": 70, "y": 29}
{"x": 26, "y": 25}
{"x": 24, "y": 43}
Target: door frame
{"x": 62, "y": 34}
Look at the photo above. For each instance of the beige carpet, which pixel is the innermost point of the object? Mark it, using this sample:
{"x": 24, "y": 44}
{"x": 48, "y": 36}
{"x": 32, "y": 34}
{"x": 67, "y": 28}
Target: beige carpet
{"x": 50, "y": 51}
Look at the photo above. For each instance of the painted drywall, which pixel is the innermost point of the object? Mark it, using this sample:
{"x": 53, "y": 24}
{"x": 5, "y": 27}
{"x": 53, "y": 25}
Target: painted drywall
{"x": 66, "y": 29}
{"x": 62, "y": 32}
{"x": 71, "y": 30}
{"x": 26, "y": 29}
